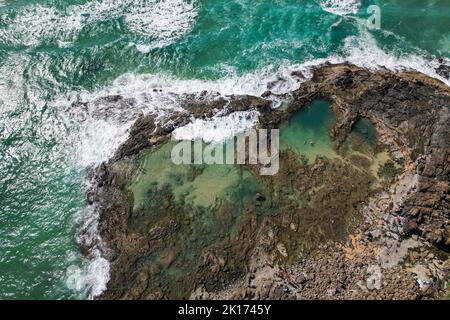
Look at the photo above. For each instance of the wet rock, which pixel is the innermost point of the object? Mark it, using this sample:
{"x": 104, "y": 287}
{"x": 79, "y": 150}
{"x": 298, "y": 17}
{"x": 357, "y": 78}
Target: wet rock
{"x": 266, "y": 94}
{"x": 444, "y": 71}
{"x": 298, "y": 74}
{"x": 260, "y": 197}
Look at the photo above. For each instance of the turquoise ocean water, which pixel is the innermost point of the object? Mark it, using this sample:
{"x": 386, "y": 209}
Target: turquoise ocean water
{"x": 55, "y": 52}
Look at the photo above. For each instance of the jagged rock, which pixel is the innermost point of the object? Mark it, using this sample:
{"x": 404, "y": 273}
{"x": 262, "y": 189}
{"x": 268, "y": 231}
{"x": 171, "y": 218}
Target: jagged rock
{"x": 444, "y": 71}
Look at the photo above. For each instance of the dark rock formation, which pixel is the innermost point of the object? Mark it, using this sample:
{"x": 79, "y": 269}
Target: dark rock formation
{"x": 444, "y": 71}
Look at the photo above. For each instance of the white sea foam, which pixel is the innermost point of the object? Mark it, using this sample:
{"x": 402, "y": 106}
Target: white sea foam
{"x": 94, "y": 276}
{"x": 253, "y": 83}
{"x": 34, "y": 24}
{"x": 166, "y": 22}
{"x": 107, "y": 137}
{"x": 158, "y": 22}
{"x": 363, "y": 50}
{"x": 92, "y": 279}
{"x": 340, "y": 7}
{"x": 98, "y": 273}
{"x": 102, "y": 126}
{"x": 26, "y": 100}
{"x": 11, "y": 81}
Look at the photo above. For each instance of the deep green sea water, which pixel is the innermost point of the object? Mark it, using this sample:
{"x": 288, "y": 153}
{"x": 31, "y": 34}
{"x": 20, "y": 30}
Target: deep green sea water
{"x": 55, "y": 52}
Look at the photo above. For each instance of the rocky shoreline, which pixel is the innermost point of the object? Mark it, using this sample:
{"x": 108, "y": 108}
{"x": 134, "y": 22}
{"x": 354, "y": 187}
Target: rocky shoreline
{"x": 350, "y": 241}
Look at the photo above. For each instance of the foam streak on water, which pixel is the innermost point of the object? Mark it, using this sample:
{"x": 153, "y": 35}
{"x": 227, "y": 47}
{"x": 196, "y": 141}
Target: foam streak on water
{"x": 163, "y": 22}
{"x": 340, "y": 7}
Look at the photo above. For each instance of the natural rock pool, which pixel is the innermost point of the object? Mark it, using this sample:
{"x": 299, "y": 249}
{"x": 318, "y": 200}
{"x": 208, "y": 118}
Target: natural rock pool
{"x": 202, "y": 219}
{"x": 307, "y": 132}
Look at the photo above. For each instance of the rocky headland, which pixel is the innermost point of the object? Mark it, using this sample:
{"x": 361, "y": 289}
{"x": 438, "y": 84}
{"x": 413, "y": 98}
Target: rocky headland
{"x": 367, "y": 220}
